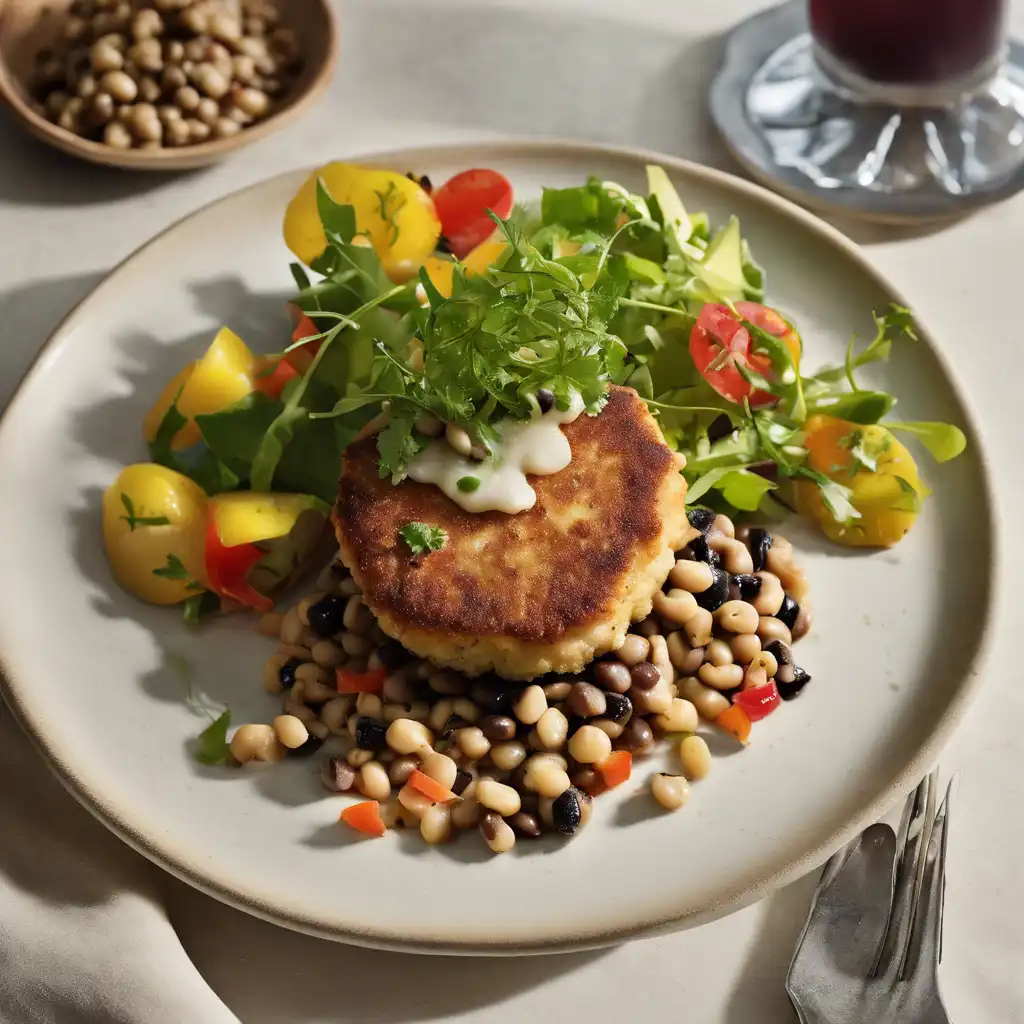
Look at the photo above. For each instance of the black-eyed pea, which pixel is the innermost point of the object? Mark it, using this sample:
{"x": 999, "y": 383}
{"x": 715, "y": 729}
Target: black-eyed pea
{"x": 651, "y": 626}
{"x": 718, "y": 652}
{"x": 634, "y": 649}
{"x": 695, "y": 757}
{"x": 466, "y": 710}
{"x": 708, "y": 702}
{"x": 327, "y": 654}
{"x": 256, "y": 743}
{"x": 498, "y": 797}
{"x": 700, "y": 628}
{"x": 552, "y": 729}
{"x": 685, "y": 659}
{"x": 677, "y": 606}
{"x": 660, "y": 659}
{"x": 655, "y": 701}
{"x": 373, "y": 782}
{"x": 724, "y": 525}
{"x": 771, "y": 595}
{"x": 770, "y": 629}
{"x": 369, "y": 704}
{"x": 721, "y": 677}
{"x": 497, "y": 833}
{"x": 401, "y": 768}
{"x": 737, "y": 617}
{"x": 272, "y": 673}
{"x": 419, "y": 710}
{"x": 466, "y": 813}
{"x": 613, "y": 730}
{"x": 337, "y": 775}
{"x": 509, "y": 755}
{"x": 589, "y": 745}
{"x": 472, "y": 742}
{"x": 745, "y": 647}
{"x": 694, "y": 577}
{"x": 291, "y": 731}
{"x": 334, "y": 714}
{"x": 357, "y": 757}
{"x": 304, "y": 714}
{"x": 441, "y": 768}
{"x": 531, "y": 705}
{"x": 681, "y": 716}
{"x": 436, "y": 824}
{"x": 766, "y": 661}
{"x": 671, "y": 791}
{"x": 414, "y": 801}
{"x": 439, "y": 715}
{"x": 406, "y": 736}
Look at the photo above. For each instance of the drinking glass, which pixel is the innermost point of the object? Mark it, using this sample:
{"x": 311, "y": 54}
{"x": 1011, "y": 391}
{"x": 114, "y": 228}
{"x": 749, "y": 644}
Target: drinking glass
{"x": 905, "y": 98}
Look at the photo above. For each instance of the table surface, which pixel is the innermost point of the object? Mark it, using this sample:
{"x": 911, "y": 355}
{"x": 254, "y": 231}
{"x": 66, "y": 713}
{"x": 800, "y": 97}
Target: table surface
{"x": 636, "y": 73}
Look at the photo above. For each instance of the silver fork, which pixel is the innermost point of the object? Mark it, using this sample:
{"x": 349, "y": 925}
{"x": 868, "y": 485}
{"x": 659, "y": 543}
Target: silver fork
{"x": 870, "y": 950}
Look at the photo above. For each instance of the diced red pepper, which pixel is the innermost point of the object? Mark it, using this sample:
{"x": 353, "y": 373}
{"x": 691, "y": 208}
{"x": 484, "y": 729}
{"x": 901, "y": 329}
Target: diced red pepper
{"x": 300, "y": 358}
{"x": 736, "y": 722}
{"x": 361, "y": 682}
{"x": 615, "y": 768}
{"x": 271, "y": 377}
{"x": 228, "y": 569}
{"x": 431, "y": 788}
{"x": 365, "y": 817}
{"x": 759, "y": 701}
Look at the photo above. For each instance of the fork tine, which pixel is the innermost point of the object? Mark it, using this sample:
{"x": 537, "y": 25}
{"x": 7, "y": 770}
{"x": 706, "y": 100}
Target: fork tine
{"x": 928, "y": 925}
{"x": 907, "y": 875}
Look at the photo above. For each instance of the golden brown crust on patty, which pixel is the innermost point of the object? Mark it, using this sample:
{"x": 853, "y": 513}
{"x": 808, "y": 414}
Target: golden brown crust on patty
{"x": 534, "y": 578}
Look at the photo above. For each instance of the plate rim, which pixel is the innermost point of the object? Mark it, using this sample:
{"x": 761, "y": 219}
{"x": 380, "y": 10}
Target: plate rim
{"x": 565, "y": 940}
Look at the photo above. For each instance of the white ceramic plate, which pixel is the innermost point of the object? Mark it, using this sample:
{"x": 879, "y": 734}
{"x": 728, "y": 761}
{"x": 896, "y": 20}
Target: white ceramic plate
{"x": 95, "y": 676}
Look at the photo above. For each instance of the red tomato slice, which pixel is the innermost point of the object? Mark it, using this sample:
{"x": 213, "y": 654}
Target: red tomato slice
{"x": 771, "y": 321}
{"x": 462, "y": 203}
{"x": 718, "y": 342}
{"x": 228, "y": 569}
{"x": 758, "y": 702}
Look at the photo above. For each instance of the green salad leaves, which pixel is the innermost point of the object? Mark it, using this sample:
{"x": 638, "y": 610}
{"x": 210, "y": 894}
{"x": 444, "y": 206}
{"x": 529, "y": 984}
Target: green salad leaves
{"x": 596, "y": 286}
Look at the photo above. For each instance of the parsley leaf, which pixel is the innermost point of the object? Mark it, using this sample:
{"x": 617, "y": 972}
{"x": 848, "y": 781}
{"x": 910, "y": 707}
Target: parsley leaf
{"x": 134, "y": 520}
{"x": 198, "y": 606}
{"x": 396, "y": 445}
{"x": 175, "y": 570}
{"x": 423, "y": 538}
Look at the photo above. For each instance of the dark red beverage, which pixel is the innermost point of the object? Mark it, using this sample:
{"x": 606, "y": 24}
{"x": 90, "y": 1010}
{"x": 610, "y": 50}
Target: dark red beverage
{"x": 910, "y": 42}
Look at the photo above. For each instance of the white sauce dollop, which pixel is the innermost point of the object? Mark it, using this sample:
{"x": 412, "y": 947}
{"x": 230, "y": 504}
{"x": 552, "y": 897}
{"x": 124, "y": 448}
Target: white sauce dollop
{"x": 535, "y": 446}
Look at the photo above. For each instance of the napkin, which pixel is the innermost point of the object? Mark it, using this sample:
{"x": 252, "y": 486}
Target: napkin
{"x": 84, "y": 938}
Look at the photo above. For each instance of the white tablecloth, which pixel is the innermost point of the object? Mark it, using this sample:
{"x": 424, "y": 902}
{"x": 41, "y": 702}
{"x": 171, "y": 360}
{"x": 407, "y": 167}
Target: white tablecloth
{"x": 89, "y": 932}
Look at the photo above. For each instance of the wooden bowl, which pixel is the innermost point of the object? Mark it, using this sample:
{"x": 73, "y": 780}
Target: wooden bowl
{"x": 27, "y": 26}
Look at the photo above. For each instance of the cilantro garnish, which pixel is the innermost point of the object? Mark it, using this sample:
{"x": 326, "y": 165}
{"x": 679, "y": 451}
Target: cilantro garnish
{"x": 423, "y": 538}
{"x": 175, "y": 570}
{"x": 133, "y": 520}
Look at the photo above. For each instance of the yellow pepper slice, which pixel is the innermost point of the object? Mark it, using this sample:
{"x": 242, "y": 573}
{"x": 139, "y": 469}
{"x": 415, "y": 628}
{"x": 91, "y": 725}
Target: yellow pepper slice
{"x": 888, "y": 498}
{"x": 395, "y": 213}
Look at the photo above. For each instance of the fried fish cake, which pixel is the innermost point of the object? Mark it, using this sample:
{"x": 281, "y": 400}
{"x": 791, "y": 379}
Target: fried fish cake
{"x": 544, "y": 590}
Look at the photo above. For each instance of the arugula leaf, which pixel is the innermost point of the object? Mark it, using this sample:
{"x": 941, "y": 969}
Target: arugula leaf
{"x": 423, "y": 538}
{"x": 134, "y": 520}
{"x": 864, "y": 407}
{"x": 587, "y": 207}
{"x": 943, "y": 440}
{"x": 895, "y": 322}
{"x": 234, "y": 433}
{"x": 160, "y": 450}
{"x": 213, "y": 475}
{"x": 212, "y": 743}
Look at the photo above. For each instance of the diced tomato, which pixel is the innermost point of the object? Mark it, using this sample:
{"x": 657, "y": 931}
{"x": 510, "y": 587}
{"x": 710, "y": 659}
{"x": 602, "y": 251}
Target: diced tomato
{"x": 365, "y": 817}
{"x": 271, "y": 376}
{"x": 759, "y": 701}
{"x": 300, "y": 358}
{"x": 462, "y": 203}
{"x": 228, "y": 569}
{"x": 735, "y": 721}
{"x": 361, "y": 682}
{"x": 718, "y": 342}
